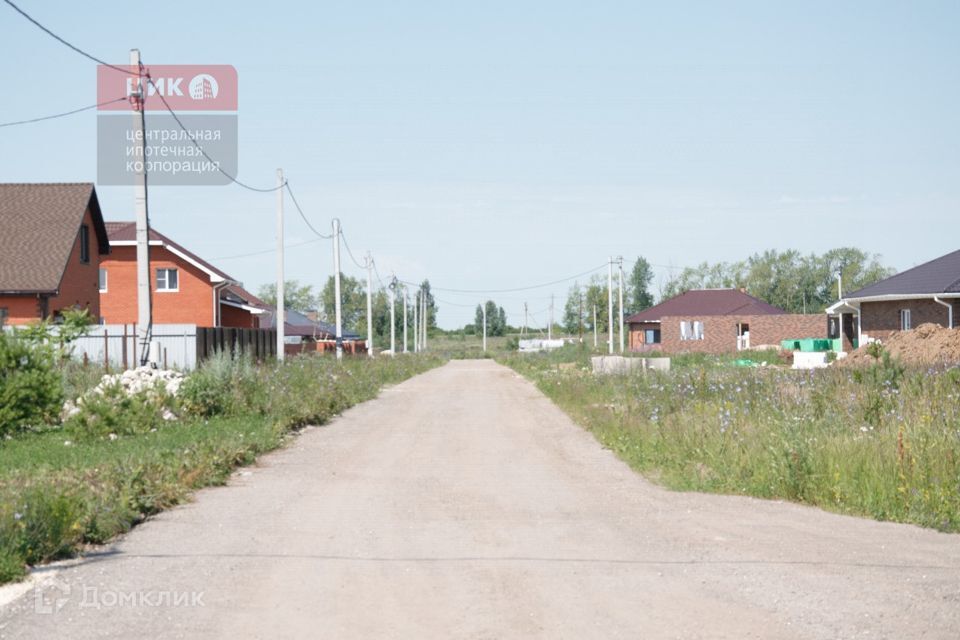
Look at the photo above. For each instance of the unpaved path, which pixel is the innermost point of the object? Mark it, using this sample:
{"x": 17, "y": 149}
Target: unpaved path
{"x": 463, "y": 504}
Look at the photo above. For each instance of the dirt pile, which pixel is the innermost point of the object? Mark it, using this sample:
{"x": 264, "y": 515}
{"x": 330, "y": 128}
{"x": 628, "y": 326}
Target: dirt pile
{"x": 928, "y": 344}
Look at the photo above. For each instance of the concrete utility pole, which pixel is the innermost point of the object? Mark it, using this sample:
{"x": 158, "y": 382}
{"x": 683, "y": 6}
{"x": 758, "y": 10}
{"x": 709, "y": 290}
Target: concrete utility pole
{"x": 416, "y": 322}
{"x": 405, "y": 319}
{"x": 550, "y": 323}
{"x": 369, "y": 263}
{"x": 484, "y": 307}
{"x": 393, "y": 322}
{"x": 424, "y": 317}
{"x": 610, "y": 304}
{"x": 620, "y": 261}
{"x": 524, "y": 329}
{"x": 336, "y": 286}
{"x": 580, "y": 317}
{"x": 144, "y": 307}
{"x": 281, "y": 313}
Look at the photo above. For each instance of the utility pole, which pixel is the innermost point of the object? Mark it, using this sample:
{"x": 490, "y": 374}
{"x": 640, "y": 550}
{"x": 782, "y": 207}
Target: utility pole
{"x": 484, "y": 307}
{"x": 369, "y": 264}
{"x": 144, "y": 305}
{"x": 336, "y": 286}
{"x": 405, "y": 319}
{"x": 594, "y": 326}
{"x": 550, "y": 324}
{"x": 393, "y": 321}
{"x": 424, "y": 317}
{"x": 281, "y": 313}
{"x": 524, "y": 329}
{"x": 416, "y": 322}
{"x": 610, "y": 304}
{"x": 620, "y": 261}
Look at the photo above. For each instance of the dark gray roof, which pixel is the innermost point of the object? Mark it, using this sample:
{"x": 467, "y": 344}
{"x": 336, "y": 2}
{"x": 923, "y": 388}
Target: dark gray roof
{"x": 937, "y": 276}
{"x": 297, "y": 324}
{"x": 39, "y": 224}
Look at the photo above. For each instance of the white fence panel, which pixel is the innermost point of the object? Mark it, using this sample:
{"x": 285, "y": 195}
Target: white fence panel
{"x": 117, "y": 344}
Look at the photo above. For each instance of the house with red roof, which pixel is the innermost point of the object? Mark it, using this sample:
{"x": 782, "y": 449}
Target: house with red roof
{"x": 717, "y": 321}
{"x": 52, "y": 240}
{"x": 185, "y": 288}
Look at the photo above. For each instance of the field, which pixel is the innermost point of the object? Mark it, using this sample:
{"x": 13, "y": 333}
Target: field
{"x": 881, "y": 441}
{"x": 65, "y": 486}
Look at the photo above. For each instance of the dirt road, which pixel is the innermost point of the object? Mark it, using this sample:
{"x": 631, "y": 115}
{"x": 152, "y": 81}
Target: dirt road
{"x": 463, "y": 504}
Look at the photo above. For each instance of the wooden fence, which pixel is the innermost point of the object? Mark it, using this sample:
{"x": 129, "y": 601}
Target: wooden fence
{"x": 259, "y": 344}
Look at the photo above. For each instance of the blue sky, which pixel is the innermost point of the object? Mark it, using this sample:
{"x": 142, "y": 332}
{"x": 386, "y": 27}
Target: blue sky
{"x": 498, "y": 144}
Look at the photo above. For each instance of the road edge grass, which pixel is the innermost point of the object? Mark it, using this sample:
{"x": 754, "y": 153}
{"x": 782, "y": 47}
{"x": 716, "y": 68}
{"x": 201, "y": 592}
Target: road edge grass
{"x": 60, "y": 493}
{"x": 881, "y": 442}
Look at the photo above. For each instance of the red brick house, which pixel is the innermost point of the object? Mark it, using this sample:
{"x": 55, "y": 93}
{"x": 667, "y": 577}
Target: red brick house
{"x": 52, "y": 237}
{"x": 929, "y": 292}
{"x": 717, "y": 321}
{"x": 186, "y": 289}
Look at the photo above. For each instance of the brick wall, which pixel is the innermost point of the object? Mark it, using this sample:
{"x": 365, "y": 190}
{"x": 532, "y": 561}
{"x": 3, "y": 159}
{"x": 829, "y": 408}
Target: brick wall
{"x": 234, "y": 317}
{"x": 880, "y": 319}
{"x": 191, "y": 304}
{"x": 720, "y": 332}
{"x": 80, "y": 283}
{"x": 21, "y": 309}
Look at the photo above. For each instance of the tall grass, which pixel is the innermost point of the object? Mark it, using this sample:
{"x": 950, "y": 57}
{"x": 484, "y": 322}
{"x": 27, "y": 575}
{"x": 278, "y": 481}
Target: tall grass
{"x": 63, "y": 487}
{"x": 882, "y": 442}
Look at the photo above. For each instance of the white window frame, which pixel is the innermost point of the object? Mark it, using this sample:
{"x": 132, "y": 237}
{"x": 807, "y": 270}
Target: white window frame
{"x": 691, "y": 330}
{"x": 102, "y": 280}
{"x": 906, "y": 321}
{"x": 166, "y": 279}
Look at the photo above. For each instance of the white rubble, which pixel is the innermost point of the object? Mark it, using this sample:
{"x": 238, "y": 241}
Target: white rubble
{"x": 133, "y": 382}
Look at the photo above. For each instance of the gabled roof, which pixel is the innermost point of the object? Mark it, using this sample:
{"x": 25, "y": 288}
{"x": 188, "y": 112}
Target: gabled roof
{"x": 297, "y": 324}
{"x": 125, "y": 234}
{"x": 937, "y": 276}
{"x": 707, "y": 302}
{"x": 240, "y": 296}
{"x": 39, "y": 224}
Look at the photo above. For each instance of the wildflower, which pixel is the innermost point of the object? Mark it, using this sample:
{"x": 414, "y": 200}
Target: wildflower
{"x": 17, "y": 515}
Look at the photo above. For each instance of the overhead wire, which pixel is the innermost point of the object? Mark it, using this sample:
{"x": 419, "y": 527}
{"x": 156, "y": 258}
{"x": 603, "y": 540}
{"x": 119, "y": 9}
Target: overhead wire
{"x": 296, "y": 204}
{"x": 515, "y": 289}
{"x": 65, "y": 43}
{"x": 61, "y": 115}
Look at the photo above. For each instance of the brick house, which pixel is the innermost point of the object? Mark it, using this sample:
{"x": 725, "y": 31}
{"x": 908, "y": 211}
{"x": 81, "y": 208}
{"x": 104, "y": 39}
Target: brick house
{"x": 717, "y": 321}
{"x": 52, "y": 237}
{"x": 929, "y": 292}
{"x": 185, "y": 288}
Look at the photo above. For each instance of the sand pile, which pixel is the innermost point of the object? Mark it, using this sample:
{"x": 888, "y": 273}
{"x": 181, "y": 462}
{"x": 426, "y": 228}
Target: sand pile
{"x": 928, "y": 344}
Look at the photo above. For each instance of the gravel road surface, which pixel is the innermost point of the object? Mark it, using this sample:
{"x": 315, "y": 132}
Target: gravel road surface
{"x": 463, "y": 504}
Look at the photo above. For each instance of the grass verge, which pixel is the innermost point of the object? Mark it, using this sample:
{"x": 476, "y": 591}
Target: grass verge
{"x": 61, "y": 489}
{"x": 882, "y": 442}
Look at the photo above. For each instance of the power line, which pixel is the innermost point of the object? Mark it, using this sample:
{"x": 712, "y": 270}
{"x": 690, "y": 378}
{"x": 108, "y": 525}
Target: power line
{"x": 65, "y": 43}
{"x": 203, "y": 152}
{"x": 536, "y": 286}
{"x": 350, "y": 253}
{"x": 61, "y": 115}
{"x": 300, "y": 211}
{"x": 266, "y": 251}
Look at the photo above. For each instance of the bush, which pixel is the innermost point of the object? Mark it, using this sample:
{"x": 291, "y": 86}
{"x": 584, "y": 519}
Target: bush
{"x": 222, "y": 386}
{"x": 116, "y": 412}
{"x": 31, "y": 388}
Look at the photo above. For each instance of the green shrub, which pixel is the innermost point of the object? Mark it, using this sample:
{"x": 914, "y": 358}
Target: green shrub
{"x": 31, "y": 389}
{"x": 223, "y": 386}
{"x": 116, "y": 412}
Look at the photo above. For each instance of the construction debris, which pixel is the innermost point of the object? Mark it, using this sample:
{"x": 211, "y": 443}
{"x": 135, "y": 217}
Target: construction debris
{"x": 928, "y": 344}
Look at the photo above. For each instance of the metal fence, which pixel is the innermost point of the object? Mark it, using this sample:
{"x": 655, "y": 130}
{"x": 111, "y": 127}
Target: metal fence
{"x": 115, "y": 345}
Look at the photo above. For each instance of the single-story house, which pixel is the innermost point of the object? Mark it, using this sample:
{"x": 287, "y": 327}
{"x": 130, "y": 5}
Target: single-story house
{"x": 929, "y": 292}
{"x": 52, "y": 237}
{"x": 717, "y": 321}
{"x": 185, "y": 288}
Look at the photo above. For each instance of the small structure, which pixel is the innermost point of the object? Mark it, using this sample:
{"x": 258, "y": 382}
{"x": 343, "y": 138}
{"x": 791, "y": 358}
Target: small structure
{"x": 52, "y": 237}
{"x": 304, "y": 335}
{"x": 716, "y": 321}
{"x": 537, "y": 344}
{"x": 928, "y": 293}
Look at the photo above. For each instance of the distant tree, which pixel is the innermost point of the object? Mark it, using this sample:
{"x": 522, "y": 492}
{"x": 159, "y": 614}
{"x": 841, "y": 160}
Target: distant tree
{"x": 478, "y": 321}
{"x": 296, "y": 296}
{"x": 574, "y": 310}
{"x": 496, "y": 319}
{"x": 637, "y": 287}
{"x": 431, "y": 305}
{"x": 595, "y": 296}
{"x": 353, "y": 303}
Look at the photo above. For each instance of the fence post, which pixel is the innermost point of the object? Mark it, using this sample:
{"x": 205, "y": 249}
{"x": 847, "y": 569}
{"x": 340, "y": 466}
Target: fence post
{"x": 106, "y": 350}
{"x": 123, "y": 347}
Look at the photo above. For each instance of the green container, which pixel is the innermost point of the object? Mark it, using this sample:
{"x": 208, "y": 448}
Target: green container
{"x": 790, "y": 345}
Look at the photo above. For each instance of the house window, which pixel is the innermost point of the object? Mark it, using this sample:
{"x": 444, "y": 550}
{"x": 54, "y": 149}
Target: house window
{"x": 4, "y": 314}
{"x": 905, "y": 323}
{"x": 651, "y": 336}
{"x": 167, "y": 280}
{"x": 691, "y": 330}
{"x": 103, "y": 280}
{"x": 84, "y": 244}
